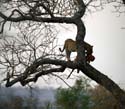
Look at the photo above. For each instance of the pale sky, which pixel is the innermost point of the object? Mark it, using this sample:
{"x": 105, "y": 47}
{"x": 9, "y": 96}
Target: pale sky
{"x": 103, "y": 31}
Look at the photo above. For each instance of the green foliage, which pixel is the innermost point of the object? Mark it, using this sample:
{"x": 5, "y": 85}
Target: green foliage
{"x": 14, "y": 103}
{"x": 103, "y": 99}
{"x": 48, "y": 105}
{"x": 76, "y": 97}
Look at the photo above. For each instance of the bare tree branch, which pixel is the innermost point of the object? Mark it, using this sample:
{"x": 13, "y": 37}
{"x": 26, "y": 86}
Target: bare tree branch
{"x": 27, "y": 59}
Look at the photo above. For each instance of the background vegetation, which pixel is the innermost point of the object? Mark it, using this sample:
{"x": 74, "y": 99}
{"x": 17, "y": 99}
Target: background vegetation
{"x": 81, "y": 96}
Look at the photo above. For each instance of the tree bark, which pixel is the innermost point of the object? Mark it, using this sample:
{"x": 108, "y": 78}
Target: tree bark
{"x": 90, "y": 71}
{"x": 87, "y": 69}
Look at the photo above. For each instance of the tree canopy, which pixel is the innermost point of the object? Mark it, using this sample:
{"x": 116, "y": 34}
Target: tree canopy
{"x": 24, "y": 61}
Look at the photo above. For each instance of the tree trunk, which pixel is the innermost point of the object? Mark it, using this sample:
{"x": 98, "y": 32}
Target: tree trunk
{"x": 94, "y": 74}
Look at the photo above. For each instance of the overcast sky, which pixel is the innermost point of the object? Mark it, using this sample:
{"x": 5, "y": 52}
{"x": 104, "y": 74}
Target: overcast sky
{"x": 105, "y": 33}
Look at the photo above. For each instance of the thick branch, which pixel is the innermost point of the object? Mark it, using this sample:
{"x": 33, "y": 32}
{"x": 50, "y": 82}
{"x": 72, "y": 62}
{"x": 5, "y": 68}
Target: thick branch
{"x": 81, "y": 31}
{"x": 82, "y": 9}
{"x": 38, "y": 19}
{"x": 35, "y": 78}
{"x": 88, "y": 70}
{"x": 91, "y": 72}
{"x": 81, "y": 65}
{"x": 33, "y": 69}
{"x": 77, "y": 15}
{"x": 106, "y": 82}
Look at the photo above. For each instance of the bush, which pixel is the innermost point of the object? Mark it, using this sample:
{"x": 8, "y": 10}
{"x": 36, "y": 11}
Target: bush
{"x": 76, "y": 97}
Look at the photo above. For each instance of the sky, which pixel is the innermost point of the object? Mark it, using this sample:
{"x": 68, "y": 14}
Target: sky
{"x": 106, "y": 34}
{"x": 104, "y": 30}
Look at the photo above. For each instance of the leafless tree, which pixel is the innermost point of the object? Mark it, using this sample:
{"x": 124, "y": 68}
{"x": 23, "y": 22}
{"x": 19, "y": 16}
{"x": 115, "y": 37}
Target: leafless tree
{"x": 26, "y": 61}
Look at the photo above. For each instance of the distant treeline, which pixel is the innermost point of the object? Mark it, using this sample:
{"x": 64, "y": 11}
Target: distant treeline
{"x": 80, "y": 96}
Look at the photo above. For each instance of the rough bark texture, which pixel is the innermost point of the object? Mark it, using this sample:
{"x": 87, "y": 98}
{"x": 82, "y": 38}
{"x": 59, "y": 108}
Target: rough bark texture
{"x": 87, "y": 69}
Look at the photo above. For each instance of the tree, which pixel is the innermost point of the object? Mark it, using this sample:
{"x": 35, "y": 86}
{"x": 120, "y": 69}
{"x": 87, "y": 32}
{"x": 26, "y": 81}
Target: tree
{"x": 30, "y": 15}
{"x": 103, "y": 99}
{"x": 76, "y": 97}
